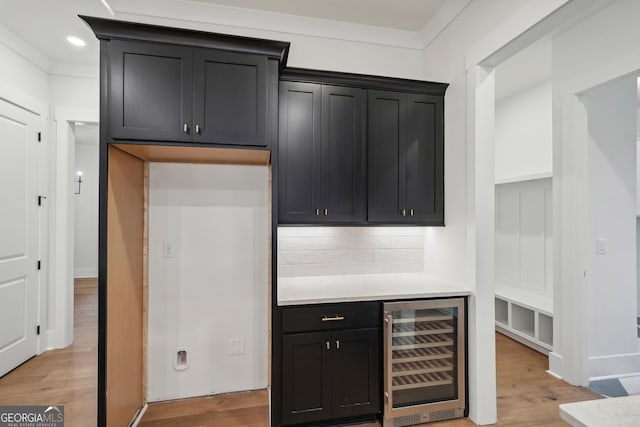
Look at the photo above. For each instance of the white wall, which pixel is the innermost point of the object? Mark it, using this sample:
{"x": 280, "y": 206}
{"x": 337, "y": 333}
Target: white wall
{"x": 523, "y": 237}
{"x": 612, "y": 290}
{"x": 17, "y": 72}
{"x": 87, "y": 158}
{"x": 523, "y": 133}
{"x": 215, "y": 287}
{"x": 328, "y": 251}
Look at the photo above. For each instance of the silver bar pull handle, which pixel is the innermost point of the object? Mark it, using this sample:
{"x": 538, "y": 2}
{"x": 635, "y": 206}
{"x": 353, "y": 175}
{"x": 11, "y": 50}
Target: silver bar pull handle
{"x": 388, "y": 364}
{"x": 338, "y": 344}
{"x": 328, "y": 345}
{"x": 198, "y": 129}
{"x": 332, "y": 319}
{"x": 317, "y": 212}
{"x": 185, "y": 128}
{"x": 403, "y": 212}
{"x": 411, "y": 212}
{"x": 326, "y": 212}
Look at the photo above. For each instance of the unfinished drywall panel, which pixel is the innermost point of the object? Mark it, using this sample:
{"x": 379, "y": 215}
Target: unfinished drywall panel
{"x": 125, "y": 260}
{"x": 208, "y": 279}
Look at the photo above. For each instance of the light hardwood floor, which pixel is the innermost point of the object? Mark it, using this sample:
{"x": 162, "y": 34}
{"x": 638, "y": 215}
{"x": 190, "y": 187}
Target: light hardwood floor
{"x": 63, "y": 377}
{"x": 527, "y": 395}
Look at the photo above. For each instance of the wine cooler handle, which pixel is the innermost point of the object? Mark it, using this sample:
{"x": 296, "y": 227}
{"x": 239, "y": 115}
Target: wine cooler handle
{"x": 388, "y": 341}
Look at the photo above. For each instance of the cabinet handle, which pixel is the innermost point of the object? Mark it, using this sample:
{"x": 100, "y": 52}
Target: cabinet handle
{"x": 328, "y": 345}
{"x": 185, "y": 128}
{"x": 338, "y": 344}
{"x": 411, "y": 212}
{"x": 198, "y": 129}
{"x": 317, "y": 212}
{"x": 332, "y": 319}
{"x": 403, "y": 212}
{"x": 326, "y": 212}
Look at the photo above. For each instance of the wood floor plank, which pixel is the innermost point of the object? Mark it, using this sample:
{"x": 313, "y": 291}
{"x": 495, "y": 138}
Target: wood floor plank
{"x": 527, "y": 395}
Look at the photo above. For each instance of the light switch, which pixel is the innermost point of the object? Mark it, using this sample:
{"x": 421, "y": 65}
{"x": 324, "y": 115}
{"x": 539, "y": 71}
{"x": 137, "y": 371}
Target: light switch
{"x": 602, "y": 246}
{"x": 168, "y": 249}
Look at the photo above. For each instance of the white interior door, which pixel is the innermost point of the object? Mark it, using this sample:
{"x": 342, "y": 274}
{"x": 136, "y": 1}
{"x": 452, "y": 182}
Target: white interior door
{"x": 18, "y": 235}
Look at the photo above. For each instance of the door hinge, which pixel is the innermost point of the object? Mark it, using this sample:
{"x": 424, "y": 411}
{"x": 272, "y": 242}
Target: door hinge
{"x": 38, "y": 330}
{"x": 39, "y": 136}
{"x": 40, "y": 198}
{"x": 39, "y": 264}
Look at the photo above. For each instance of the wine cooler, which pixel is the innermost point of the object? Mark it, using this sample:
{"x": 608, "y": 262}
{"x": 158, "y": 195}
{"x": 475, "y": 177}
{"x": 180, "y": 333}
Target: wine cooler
{"x": 424, "y": 361}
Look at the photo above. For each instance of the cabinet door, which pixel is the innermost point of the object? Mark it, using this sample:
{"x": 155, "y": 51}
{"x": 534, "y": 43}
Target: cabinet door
{"x": 150, "y": 91}
{"x": 387, "y": 161}
{"x": 299, "y": 151}
{"x": 425, "y": 159}
{"x": 306, "y": 395}
{"x": 343, "y": 155}
{"x": 230, "y": 98}
{"x": 355, "y": 373}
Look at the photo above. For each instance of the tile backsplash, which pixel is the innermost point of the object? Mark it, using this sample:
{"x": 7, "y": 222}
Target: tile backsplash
{"x": 329, "y": 251}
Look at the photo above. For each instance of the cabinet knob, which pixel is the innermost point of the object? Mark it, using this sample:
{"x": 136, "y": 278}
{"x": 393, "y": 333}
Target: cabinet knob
{"x": 411, "y": 212}
{"x": 403, "y": 212}
{"x": 185, "y": 128}
{"x": 198, "y": 129}
{"x": 317, "y": 212}
{"x": 326, "y": 212}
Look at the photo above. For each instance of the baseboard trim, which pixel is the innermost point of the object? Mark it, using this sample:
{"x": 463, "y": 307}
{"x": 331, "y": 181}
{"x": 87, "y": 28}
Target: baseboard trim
{"x": 613, "y": 366}
{"x": 139, "y": 416}
{"x": 85, "y": 273}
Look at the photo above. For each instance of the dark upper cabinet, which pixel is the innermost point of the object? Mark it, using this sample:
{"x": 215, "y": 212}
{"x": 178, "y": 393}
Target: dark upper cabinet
{"x": 230, "y": 97}
{"x": 321, "y": 154}
{"x": 164, "y": 92}
{"x": 151, "y": 90}
{"x": 406, "y": 158}
{"x": 299, "y": 150}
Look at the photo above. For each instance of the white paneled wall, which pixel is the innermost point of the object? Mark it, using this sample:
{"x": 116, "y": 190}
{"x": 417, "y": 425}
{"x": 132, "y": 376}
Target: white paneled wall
{"x": 523, "y": 236}
{"x": 329, "y": 251}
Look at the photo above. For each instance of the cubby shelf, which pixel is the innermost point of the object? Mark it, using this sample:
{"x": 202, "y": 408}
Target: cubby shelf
{"x": 530, "y": 323}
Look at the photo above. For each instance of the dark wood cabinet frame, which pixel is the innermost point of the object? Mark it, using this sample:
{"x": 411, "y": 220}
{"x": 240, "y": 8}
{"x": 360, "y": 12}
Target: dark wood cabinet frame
{"x": 123, "y": 158}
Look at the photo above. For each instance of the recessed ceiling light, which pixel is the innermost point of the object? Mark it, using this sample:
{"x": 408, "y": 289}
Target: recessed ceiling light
{"x": 76, "y": 41}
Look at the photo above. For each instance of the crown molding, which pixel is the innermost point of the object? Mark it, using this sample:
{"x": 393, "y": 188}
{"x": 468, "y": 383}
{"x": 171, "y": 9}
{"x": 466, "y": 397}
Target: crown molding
{"x": 24, "y": 49}
{"x": 239, "y": 21}
{"x": 441, "y": 20}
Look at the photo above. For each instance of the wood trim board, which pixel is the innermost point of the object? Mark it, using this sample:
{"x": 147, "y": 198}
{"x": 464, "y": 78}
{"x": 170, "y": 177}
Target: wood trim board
{"x": 125, "y": 261}
{"x": 190, "y": 154}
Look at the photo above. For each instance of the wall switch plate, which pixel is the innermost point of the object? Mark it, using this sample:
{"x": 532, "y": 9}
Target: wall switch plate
{"x": 236, "y": 346}
{"x": 168, "y": 249}
{"x": 602, "y": 246}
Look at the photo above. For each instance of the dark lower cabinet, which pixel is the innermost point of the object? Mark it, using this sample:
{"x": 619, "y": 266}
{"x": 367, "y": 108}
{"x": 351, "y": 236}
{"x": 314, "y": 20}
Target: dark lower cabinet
{"x": 330, "y": 375}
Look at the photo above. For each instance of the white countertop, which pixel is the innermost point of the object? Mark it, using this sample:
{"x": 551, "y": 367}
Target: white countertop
{"x": 362, "y": 287}
{"x": 613, "y": 412}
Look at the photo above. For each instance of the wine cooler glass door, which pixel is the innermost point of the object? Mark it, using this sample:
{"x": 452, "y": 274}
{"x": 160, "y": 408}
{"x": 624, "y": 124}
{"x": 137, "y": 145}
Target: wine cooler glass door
{"x": 424, "y": 354}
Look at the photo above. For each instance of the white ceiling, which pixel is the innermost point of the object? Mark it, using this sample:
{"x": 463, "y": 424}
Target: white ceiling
{"x": 410, "y": 15}
{"x": 41, "y": 26}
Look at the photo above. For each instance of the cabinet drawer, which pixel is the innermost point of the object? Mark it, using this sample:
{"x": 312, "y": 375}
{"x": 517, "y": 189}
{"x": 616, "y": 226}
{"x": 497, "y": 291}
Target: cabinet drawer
{"x": 330, "y": 316}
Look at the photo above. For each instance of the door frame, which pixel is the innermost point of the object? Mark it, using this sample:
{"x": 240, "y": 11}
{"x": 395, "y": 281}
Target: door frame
{"x": 534, "y": 21}
{"x": 571, "y": 360}
{"x": 63, "y": 236}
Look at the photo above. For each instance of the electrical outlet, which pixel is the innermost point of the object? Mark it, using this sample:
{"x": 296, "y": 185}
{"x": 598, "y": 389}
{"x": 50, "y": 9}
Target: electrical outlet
{"x": 236, "y": 346}
{"x": 168, "y": 249}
